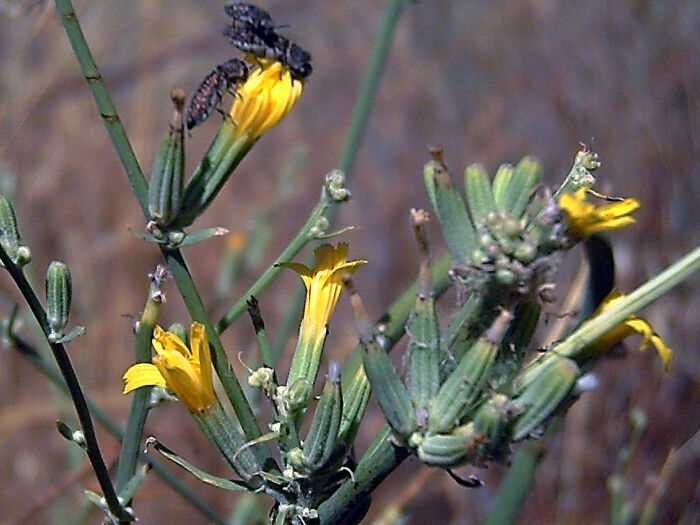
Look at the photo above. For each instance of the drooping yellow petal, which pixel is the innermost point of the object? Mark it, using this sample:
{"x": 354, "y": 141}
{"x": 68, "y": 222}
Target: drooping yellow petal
{"x": 142, "y": 374}
{"x": 584, "y": 218}
{"x": 202, "y": 354}
{"x": 631, "y": 325}
{"x": 186, "y": 372}
{"x": 264, "y": 99}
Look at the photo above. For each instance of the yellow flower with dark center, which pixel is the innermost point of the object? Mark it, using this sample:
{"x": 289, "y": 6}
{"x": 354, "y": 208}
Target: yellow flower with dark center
{"x": 185, "y": 371}
{"x": 631, "y": 325}
{"x": 324, "y": 284}
{"x": 585, "y": 218}
{"x": 264, "y": 99}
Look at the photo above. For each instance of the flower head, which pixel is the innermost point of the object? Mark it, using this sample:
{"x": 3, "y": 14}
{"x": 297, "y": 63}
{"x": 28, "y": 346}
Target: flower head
{"x": 631, "y": 325}
{"x": 324, "y": 284}
{"x": 264, "y": 99}
{"x": 585, "y": 218}
{"x": 185, "y": 371}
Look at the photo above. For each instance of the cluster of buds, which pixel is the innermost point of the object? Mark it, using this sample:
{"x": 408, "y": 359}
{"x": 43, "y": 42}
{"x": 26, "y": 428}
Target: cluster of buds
{"x": 470, "y": 391}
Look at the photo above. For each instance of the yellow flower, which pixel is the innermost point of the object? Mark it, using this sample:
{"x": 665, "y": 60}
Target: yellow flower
{"x": 585, "y": 218}
{"x": 324, "y": 284}
{"x": 186, "y": 372}
{"x": 632, "y": 325}
{"x": 264, "y": 99}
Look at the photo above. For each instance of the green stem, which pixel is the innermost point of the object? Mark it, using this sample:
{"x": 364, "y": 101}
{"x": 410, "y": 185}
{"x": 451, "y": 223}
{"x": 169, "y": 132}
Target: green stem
{"x": 368, "y": 91}
{"x": 640, "y": 298}
{"x": 297, "y": 243}
{"x": 49, "y": 371}
{"x": 103, "y": 101}
{"x": 76, "y": 393}
{"x": 131, "y": 443}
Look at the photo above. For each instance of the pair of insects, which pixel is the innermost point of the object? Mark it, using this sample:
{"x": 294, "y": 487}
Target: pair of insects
{"x": 253, "y": 31}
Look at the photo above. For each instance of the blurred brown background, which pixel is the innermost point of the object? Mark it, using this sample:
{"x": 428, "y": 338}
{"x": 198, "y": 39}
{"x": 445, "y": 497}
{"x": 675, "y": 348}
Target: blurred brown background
{"x": 487, "y": 81}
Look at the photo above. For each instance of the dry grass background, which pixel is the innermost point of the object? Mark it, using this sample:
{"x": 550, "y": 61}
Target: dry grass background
{"x": 489, "y": 82}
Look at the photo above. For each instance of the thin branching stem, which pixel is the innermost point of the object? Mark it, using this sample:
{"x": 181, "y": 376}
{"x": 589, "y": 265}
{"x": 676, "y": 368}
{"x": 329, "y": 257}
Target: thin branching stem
{"x": 76, "y": 392}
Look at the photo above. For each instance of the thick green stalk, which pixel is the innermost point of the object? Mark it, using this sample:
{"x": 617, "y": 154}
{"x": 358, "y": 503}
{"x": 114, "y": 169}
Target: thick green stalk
{"x": 640, "y": 298}
{"x": 377, "y": 463}
{"x": 50, "y": 372}
{"x": 103, "y": 101}
{"x": 131, "y": 443}
{"x": 76, "y": 393}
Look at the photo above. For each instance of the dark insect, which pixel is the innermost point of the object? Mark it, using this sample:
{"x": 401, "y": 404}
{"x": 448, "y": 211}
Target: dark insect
{"x": 251, "y": 39}
{"x": 210, "y": 91}
{"x": 269, "y": 44}
{"x": 249, "y": 14}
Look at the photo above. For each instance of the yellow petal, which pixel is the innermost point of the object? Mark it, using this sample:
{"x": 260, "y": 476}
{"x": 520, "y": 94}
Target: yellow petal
{"x": 643, "y": 328}
{"x": 167, "y": 342}
{"x": 142, "y": 374}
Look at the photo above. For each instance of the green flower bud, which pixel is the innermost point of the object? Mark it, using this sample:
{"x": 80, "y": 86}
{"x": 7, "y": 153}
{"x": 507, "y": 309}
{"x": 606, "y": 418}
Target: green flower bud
{"x": 9, "y": 235}
{"x": 58, "y": 298}
{"x": 506, "y": 276}
{"x": 525, "y": 252}
{"x": 450, "y": 450}
{"x": 299, "y": 394}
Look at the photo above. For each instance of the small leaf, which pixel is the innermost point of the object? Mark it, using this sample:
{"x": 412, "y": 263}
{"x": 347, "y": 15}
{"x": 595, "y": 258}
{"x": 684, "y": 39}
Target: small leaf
{"x": 222, "y": 483}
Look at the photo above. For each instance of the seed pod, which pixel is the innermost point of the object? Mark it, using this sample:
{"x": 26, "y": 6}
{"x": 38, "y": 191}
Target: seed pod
{"x": 356, "y": 391}
{"x": 548, "y": 386}
{"x": 321, "y": 440}
{"x": 58, "y": 297}
{"x": 491, "y": 419}
{"x": 519, "y": 190}
{"x": 390, "y": 392}
{"x": 464, "y": 385}
{"x": 449, "y": 450}
{"x": 9, "y": 234}
{"x": 424, "y": 355}
{"x": 477, "y": 186}
{"x": 165, "y": 187}
{"x": 501, "y": 181}
{"x": 450, "y": 209}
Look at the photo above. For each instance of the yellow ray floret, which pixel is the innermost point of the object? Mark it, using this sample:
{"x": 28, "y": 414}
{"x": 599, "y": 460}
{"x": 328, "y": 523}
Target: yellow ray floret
{"x": 185, "y": 371}
{"x": 324, "y": 284}
{"x": 631, "y": 325}
{"x": 585, "y": 218}
{"x": 264, "y": 99}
